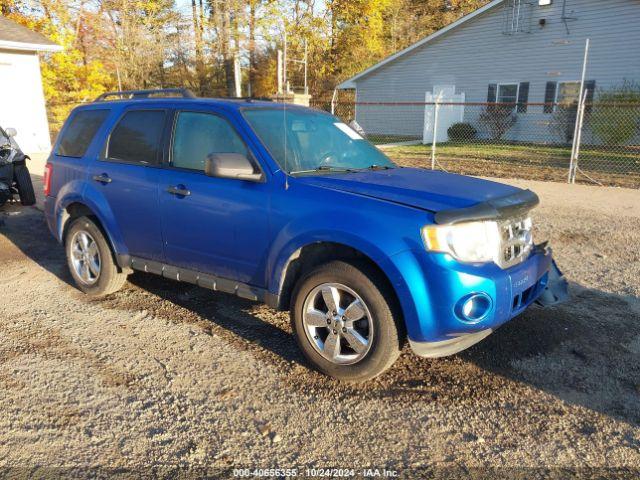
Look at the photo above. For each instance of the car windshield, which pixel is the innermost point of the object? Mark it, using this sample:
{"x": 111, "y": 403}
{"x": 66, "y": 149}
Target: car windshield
{"x": 308, "y": 141}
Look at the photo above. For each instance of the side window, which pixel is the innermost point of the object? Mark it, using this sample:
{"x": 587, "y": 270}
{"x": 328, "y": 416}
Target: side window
{"x": 78, "y": 135}
{"x": 137, "y": 137}
{"x": 196, "y": 135}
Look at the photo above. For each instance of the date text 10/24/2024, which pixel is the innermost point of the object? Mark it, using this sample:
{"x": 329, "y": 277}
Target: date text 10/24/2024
{"x": 315, "y": 472}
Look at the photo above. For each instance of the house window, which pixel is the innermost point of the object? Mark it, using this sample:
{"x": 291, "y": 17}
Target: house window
{"x": 568, "y": 94}
{"x": 507, "y": 93}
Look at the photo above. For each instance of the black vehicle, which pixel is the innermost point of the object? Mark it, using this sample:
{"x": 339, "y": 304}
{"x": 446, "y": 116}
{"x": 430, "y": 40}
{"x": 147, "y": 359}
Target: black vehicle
{"x": 14, "y": 174}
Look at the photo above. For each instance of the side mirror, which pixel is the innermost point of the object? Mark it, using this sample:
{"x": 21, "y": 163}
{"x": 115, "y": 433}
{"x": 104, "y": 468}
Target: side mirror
{"x": 11, "y": 132}
{"x": 231, "y": 165}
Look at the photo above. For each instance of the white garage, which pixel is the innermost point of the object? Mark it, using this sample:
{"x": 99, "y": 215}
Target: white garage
{"x": 22, "y": 103}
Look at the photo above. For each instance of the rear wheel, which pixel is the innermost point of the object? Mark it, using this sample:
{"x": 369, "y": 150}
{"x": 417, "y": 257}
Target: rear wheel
{"x": 343, "y": 323}
{"x": 24, "y": 185}
{"x": 90, "y": 259}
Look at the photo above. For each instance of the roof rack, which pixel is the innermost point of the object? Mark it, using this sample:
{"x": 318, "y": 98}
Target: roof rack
{"x": 134, "y": 94}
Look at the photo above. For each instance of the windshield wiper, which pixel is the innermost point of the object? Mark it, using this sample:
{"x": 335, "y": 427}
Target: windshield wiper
{"x": 326, "y": 168}
{"x": 377, "y": 167}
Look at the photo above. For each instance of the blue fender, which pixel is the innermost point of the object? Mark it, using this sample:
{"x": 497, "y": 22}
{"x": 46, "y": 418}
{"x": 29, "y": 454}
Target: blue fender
{"x": 91, "y": 198}
{"x": 297, "y": 235}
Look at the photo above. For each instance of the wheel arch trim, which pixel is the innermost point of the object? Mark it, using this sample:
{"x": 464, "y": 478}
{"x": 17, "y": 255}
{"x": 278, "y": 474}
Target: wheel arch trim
{"x": 99, "y": 209}
{"x": 370, "y": 252}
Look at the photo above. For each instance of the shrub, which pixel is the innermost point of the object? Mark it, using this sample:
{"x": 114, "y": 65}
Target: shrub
{"x": 498, "y": 119}
{"x": 615, "y": 116}
{"x": 461, "y": 131}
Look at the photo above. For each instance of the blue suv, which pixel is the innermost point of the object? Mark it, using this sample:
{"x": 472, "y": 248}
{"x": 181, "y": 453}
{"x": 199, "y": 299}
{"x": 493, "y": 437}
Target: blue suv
{"x": 289, "y": 206}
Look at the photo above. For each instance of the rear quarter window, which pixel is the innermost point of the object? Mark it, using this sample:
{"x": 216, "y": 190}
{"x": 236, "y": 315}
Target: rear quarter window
{"x": 77, "y": 136}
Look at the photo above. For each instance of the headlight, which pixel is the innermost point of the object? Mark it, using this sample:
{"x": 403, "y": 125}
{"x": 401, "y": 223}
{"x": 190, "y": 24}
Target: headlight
{"x": 468, "y": 242}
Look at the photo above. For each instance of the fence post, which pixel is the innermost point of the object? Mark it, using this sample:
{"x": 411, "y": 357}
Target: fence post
{"x": 578, "y": 139}
{"x": 333, "y": 101}
{"x": 436, "y": 105}
{"x": 580, "y": 103}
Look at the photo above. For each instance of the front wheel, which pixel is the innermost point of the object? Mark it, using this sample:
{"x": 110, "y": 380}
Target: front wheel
{"x": 24, "y": 185}
{"x": 343, "y": 322}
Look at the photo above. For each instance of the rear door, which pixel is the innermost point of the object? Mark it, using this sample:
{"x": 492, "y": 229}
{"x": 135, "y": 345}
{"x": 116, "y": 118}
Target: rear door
{"x": 127, "y": 176}
{"x": 217, "y": 225}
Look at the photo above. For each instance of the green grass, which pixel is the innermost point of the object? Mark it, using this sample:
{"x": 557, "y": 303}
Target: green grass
{"x": 617, "y": 160}
{"x": 382, "y": 139}
{"x": 614, "y": 166}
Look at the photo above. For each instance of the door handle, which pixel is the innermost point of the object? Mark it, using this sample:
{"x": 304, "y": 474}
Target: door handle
{"x": 103, "y": 178}
{"x": 179, "y": 191}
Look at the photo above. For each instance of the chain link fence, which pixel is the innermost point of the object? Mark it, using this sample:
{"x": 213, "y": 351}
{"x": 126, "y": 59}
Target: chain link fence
{"x": 518, "y": 140}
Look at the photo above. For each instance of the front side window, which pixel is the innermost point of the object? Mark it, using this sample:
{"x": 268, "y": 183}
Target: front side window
{"x": 137, "y": 137}
{"x": 308, "y": 140}
{"x": 568, "y": 94}
{"x": 197, "y": 134}
{"x": 508, "y": 93}
{"x": 78, "y": 135}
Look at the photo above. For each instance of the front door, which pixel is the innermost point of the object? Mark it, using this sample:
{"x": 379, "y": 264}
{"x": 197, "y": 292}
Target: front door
{"x": 127, "y": 178}
{"x": 212, "y": 225}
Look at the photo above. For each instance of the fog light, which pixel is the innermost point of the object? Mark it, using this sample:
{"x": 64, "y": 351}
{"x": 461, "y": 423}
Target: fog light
{"x": 474, "y": 307}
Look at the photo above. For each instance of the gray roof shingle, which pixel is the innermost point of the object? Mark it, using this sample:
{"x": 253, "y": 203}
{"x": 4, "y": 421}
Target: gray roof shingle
{"x": 13, "y": 32}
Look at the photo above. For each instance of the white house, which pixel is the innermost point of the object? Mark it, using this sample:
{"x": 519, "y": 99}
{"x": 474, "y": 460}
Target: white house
{"x": 526, "y": 52}
{"x": 22, "y": 103}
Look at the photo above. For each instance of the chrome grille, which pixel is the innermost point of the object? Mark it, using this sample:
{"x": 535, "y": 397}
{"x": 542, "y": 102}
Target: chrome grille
{"x": 515, "y": 241}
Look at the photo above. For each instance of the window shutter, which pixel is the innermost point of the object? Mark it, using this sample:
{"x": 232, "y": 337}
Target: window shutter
{"x": 492, "y": 92}
{"x": 549, "y": 96}
{"x": 590, "y": 85}
{"x": 523, "y": 97}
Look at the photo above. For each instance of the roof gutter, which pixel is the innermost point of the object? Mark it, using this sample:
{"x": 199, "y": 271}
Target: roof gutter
{"x": 30, "y": 47}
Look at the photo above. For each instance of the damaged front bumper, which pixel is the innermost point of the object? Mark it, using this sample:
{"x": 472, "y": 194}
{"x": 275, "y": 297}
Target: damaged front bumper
{"x": 557, "y": 289}
{"x": 551, "y": 289}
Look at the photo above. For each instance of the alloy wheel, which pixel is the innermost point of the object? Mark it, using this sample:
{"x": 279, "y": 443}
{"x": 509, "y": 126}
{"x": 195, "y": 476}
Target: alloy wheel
{"x": 85, "y": 257}
{"x": 337, "y": 323}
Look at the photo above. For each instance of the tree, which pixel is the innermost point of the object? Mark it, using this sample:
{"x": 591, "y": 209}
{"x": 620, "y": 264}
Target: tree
{"x": 137, "y": 34}
{"x": 357, "y": 33}
{"x": 198, "y": 33}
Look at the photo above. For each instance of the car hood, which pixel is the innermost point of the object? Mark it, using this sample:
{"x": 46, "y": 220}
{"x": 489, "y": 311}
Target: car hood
{"x": 430, "y": 190}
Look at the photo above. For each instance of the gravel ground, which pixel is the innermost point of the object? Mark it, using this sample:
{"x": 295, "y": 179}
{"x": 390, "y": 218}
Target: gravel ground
{"x": 169, "y": 376}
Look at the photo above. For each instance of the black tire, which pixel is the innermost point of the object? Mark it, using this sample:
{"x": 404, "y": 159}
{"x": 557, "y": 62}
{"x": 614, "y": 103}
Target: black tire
{"x": 388, "y": 334}
{"x": 24, "y": 185}
{"x": 110, "y": 278}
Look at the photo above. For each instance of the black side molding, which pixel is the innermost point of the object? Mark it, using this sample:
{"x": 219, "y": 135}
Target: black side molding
{"x": 203, "y": 280}
{"x": 495, "y": 209}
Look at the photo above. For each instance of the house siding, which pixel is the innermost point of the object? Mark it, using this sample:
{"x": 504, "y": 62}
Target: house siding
{"x": 477, "y": 54}
{"x": 22, "y": 100}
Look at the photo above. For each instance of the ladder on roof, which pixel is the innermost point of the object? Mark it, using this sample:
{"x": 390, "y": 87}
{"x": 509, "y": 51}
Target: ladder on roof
{"x": 516, "y": 17}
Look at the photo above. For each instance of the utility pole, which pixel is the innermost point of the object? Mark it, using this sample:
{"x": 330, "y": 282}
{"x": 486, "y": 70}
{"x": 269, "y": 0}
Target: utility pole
{"x": 306, "y": 87}
{"x": 284, "y": 63}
